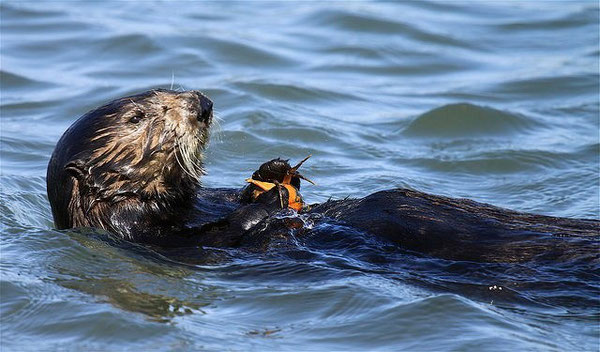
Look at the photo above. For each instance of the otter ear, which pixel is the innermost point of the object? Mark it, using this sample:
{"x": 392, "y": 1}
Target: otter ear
{"x": 76, "y": 168}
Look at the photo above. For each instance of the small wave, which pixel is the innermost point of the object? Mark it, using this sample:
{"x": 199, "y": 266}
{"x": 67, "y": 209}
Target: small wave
{"x": 400, "y": 70}
{"x": 14, "y": 11}
{"x": 291, "y": 92}
{"x": 234, "y": 51}
{"x": 558, "y": 86}
{"x": 19, "y": 81}
{"x": 27, "y": 211}
{"x": 501, "y": 161}
{"x": 130, "y": 45}
{"x": 584, "y": 17}
{"x": 465, "y": 120}
{"x": 372, "y": 24}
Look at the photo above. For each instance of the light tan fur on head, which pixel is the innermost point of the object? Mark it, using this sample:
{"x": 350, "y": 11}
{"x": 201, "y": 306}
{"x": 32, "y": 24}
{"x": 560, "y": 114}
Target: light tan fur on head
{"x": 166, "y": 138}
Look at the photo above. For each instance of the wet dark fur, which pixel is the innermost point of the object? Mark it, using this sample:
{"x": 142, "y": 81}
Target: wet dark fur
{"x": 142, "y": 193}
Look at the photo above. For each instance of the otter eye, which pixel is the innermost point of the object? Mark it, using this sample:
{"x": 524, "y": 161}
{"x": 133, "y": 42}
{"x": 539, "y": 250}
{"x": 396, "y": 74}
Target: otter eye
{"x": 137, "y": 117}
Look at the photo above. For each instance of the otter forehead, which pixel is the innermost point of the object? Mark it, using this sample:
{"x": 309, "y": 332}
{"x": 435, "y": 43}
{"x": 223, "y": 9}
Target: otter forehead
{"x": 144, "y": 121}
{"x": 193, "y": 104}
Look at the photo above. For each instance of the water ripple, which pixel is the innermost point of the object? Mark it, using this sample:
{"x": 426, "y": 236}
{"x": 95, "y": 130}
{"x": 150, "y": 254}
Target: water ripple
{"x": 456, "y": 120}
{"x": 484, "y": 100}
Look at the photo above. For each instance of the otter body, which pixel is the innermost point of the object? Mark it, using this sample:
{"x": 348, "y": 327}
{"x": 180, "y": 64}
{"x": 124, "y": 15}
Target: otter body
{"x": 132, "y": 167}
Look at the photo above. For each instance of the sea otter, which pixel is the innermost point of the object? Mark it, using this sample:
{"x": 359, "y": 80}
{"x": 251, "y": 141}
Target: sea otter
{"x": 133, "y": 167}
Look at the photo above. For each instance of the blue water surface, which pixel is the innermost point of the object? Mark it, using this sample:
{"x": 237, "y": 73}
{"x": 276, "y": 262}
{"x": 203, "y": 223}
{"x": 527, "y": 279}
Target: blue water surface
{"x": 492, "y": 101}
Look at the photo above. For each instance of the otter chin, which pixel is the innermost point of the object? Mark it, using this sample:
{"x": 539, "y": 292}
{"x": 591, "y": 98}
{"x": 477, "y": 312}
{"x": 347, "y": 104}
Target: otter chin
{"x": 131, "y": 166}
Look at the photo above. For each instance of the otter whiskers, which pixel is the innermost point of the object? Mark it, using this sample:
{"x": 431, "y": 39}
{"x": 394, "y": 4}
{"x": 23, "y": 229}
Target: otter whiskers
{"x": 190, "y": 161}
{"x": 216, "y": 130}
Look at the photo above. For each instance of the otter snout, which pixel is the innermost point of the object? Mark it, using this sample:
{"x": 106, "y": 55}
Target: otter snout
{"x": 199, "y": 104}
{"x": 206, "y": 108}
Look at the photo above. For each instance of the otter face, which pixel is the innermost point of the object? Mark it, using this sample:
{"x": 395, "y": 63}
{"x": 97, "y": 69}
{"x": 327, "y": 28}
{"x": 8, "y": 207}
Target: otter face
{"x": 156, "y": 137}
{"x": 143, "y": 147}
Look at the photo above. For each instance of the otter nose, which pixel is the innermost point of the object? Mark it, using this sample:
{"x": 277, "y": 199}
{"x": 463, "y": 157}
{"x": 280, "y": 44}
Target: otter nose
{"x": 206, "y": 108}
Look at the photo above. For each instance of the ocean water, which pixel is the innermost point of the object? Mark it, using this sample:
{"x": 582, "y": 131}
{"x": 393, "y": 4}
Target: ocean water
{"x": 493, "y": 101}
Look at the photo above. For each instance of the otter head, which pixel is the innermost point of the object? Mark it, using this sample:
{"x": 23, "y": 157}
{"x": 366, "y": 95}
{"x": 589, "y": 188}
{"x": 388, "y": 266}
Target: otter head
{"x": 136, "y": 158}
